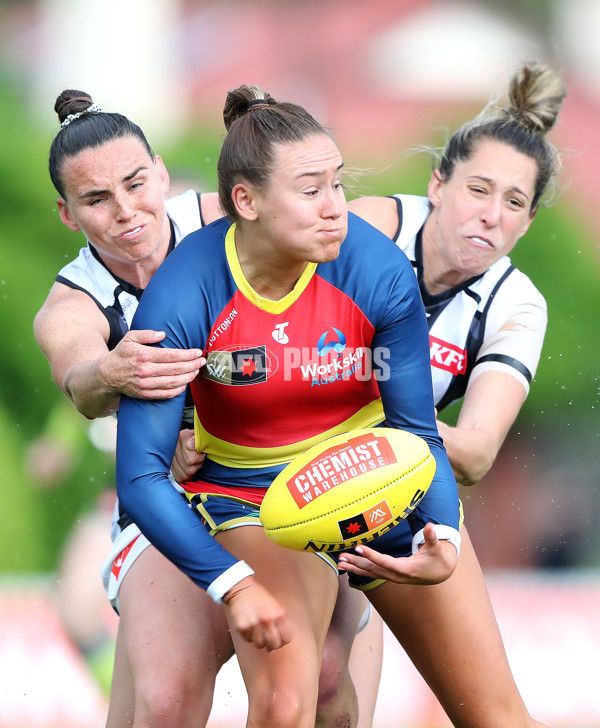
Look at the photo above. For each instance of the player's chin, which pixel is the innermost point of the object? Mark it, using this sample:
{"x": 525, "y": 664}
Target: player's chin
{"x": 328, "y": 252}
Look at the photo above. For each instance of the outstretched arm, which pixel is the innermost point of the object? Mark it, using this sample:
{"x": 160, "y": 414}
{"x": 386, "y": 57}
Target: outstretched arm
{"x": 401, "y": 357}
{"x": 490, "y": 407}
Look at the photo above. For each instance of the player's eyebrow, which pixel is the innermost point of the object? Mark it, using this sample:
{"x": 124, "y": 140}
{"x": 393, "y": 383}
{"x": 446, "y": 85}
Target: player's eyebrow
{"x": 490, "y": 181}
{"x": 317, "y": 172}
{"x": 127, "y": 178}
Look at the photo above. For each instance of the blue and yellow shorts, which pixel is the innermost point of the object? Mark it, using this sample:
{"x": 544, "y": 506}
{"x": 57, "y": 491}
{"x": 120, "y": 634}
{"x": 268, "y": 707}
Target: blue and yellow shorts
{"x": 221, "y": 512}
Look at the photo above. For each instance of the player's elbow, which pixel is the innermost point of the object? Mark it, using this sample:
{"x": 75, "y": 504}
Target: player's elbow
{"x": 475, "y": 468}
{"x": 125, "y": 493}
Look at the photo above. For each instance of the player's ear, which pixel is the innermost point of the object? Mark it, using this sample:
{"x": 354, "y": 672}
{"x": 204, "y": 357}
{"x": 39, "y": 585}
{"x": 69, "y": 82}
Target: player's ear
{"x": 243, "y": 197}
{"x": 530, "y": 219}
{"x": 434, "y": 189}
{"x": 163, "y": 174}
{"x": 65, "y": 215}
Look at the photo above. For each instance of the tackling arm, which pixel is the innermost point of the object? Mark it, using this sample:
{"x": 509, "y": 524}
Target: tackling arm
{"x": 490, "y": 407}
{"x": 72, "y": 332}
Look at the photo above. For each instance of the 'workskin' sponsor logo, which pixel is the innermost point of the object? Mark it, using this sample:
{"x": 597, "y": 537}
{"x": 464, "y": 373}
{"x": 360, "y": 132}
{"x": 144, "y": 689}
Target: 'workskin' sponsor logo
{"x": 237, "y": 367}
{"x": 447, "y": 356}
{"x": 335, "y": 370}
{"x": 333, "y": 340}
{"x": 338, "y": 464}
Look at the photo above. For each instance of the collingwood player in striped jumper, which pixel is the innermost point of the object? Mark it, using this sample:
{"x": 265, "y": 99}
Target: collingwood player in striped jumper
{"x": 486, "y": 323}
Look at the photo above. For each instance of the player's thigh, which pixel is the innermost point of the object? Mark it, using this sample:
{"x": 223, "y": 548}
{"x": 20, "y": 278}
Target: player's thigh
{"x": 450, "y": 633}
{"x": 352, "y": 609}
{"x": 121, "y": 707}
{"x": 171, "y": 629}
{"x": 365, "y": 667}
{"x": 306, "y": 586}
{"x": 351, "y": 634}
{"x": 304, "y": 583}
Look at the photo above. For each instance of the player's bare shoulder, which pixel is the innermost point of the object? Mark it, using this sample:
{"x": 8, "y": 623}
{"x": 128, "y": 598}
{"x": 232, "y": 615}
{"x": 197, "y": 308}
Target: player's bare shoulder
{"x": 381, "y": 212}
{"x": 211, "y": 209}
{"x": 65, "y": 304}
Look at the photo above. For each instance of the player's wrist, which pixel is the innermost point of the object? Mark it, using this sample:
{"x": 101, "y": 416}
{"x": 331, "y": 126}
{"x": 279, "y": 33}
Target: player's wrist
{"x": 247, "y": 583}
{"x": 219, "y": 590}
{"x": 443, "y": 533}
{"x": 104, "y": 370}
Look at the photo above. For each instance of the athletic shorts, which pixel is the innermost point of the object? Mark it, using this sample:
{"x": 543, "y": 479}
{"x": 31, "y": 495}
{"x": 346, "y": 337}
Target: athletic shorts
{"x": 221, "y": 513}
{"x": 128, "y": 543}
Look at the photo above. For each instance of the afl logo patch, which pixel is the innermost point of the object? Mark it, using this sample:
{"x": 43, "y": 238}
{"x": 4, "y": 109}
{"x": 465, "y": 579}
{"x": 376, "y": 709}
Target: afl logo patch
{"x": 239, "y": 367}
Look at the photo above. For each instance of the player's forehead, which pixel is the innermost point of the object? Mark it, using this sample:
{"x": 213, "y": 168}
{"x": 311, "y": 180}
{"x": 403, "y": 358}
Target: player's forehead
{"x": 104, "y": 166}
{"x": 315, "y": 156}
{"x": 501, "y": 165}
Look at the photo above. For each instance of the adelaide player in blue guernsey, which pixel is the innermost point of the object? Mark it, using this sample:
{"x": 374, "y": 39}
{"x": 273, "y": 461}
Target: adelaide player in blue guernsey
{"x": 290, "y": 270}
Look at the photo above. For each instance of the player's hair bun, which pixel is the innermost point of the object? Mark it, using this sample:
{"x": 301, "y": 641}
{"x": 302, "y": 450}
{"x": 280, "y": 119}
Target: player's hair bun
{"x": 71, "y": 101}
{"x": 242, "y": 100}
{"x": 535, "y": 95}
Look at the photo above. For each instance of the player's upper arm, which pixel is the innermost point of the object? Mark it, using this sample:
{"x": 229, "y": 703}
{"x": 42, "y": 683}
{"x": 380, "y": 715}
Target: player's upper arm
{"x": 515, "y": 332}
{"x": 69, "y": 329}
{"x": 499, "y": 382}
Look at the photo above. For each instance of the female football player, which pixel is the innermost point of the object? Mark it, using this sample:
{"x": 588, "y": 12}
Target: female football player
{"x": 486, "y": 324}
{"x": 286, "y": 258}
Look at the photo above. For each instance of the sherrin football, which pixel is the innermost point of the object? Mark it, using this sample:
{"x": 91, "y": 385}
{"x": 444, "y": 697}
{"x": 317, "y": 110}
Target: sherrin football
{"x": 347, "y": 490}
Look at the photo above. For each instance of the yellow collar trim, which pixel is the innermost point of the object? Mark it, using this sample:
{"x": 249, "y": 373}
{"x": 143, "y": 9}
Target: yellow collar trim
{"x": 264, "y": 304}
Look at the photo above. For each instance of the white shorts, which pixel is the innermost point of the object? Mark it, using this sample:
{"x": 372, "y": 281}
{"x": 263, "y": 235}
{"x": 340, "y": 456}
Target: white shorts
{"x": 127, "y": 546}
{"x": 365, "y": 618}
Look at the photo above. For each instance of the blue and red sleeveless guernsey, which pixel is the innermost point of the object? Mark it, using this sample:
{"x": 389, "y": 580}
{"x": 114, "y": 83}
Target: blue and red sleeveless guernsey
{"x": 348, "y": 348}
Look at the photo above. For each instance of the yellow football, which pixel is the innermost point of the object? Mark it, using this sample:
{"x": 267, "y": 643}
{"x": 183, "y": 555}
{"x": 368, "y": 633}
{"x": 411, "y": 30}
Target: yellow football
{"x": 347, "y": 490}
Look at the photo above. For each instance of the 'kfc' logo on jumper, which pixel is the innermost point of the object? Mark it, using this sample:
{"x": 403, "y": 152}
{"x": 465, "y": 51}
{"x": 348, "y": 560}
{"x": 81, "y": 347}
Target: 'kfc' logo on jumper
{"x": 446, "y": 356}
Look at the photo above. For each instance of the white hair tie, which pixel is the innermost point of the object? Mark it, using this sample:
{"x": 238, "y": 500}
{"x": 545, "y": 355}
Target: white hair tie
{"x": 93, "y": 109}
